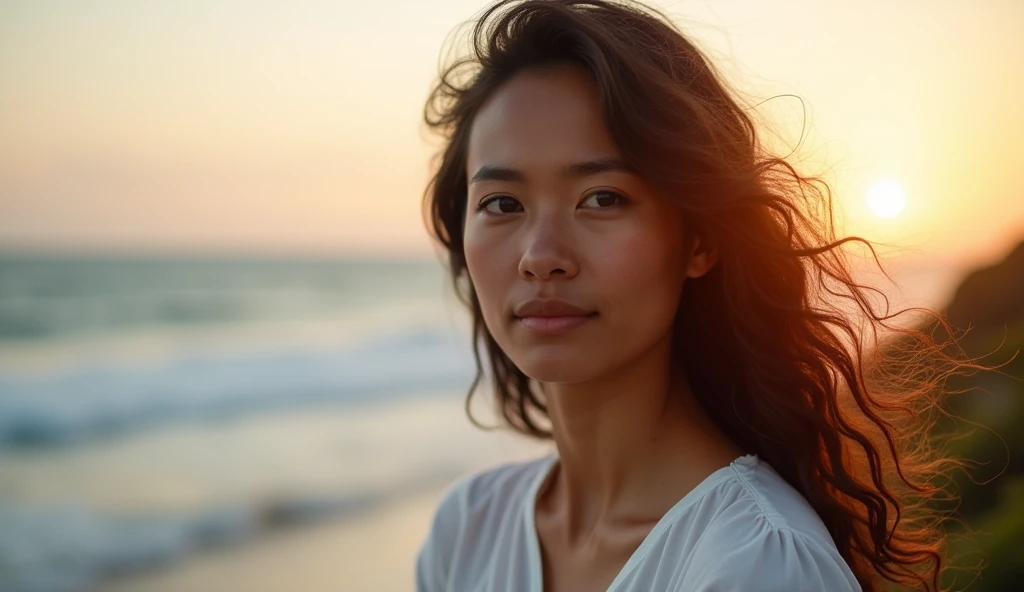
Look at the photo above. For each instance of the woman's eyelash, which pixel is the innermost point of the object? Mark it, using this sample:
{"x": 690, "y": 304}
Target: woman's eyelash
{"x": 621, "y": 198}
{"x": 618, "y": 196}
{"x": 489, "y": 200}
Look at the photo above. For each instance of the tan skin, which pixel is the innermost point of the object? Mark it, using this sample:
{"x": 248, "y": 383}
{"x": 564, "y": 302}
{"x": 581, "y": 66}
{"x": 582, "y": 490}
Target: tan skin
{"x": 631, "y": 438}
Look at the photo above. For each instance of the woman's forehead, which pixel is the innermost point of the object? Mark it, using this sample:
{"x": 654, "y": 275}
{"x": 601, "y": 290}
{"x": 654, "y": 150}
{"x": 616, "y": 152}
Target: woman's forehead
{"x": 540, "y": 120}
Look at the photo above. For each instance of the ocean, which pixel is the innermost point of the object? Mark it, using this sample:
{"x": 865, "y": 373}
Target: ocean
{"x": 152, "y": 409}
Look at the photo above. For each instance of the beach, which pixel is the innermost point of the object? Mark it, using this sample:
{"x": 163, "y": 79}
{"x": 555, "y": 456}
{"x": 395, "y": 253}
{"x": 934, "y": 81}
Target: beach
{"x": 372, "y": 551}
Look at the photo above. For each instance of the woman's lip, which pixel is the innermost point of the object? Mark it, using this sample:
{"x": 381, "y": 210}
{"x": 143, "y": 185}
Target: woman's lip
{"x": 554, "y": 325}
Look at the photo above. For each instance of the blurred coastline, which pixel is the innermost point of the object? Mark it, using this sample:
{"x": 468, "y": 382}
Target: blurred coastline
{"x": 152, "y": 410}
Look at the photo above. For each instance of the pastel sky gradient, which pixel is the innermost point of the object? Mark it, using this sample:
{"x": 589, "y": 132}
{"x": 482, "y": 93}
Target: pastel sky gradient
{"x": 294, "y": 127}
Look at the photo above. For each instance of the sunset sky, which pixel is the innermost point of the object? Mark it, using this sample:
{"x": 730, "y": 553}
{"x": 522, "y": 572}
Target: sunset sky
{"x": 294, "y": 127}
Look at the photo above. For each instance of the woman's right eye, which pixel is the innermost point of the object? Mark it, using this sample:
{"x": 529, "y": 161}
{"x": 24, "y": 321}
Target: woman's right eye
{"x": 500, "y": 204}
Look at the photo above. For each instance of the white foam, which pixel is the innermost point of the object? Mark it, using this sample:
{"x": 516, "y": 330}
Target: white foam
{"x": 107, "y": 398}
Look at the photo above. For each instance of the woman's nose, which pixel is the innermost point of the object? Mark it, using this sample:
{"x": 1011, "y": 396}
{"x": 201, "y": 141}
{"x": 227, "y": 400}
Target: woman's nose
{"x": 548, "y": 252}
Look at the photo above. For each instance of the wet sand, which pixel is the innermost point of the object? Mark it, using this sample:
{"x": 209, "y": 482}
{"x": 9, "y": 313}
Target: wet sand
{"x": 374, "y": 551}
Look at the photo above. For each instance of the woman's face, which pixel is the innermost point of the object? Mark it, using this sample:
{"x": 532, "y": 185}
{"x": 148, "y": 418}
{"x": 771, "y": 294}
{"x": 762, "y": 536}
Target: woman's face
{"x": 553, "y": 214}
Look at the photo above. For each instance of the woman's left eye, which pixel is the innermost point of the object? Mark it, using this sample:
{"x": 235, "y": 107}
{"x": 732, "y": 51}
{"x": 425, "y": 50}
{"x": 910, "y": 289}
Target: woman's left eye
{"x": 603, "y": 200}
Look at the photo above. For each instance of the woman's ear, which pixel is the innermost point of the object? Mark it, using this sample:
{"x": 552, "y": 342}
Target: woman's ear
{"x": 702, "y": 258}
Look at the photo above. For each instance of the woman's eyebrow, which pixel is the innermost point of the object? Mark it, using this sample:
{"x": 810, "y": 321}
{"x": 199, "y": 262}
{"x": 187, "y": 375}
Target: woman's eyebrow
{"x": 497, "y": 173}
{"x": 578, "y": 169}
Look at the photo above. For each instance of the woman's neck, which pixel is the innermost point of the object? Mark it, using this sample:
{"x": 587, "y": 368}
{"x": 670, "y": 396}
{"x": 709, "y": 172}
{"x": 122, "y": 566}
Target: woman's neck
{"x": 630, "y": 445}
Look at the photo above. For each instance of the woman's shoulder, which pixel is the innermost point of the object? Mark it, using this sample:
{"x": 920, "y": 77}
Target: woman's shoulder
{"x": 756, "y": 518}
{"x": 473, "y": 509}
{"x": 757, "y": 490}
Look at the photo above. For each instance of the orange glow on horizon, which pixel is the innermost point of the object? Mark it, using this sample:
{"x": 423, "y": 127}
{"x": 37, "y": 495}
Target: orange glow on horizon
{"x": 299, "y": 128}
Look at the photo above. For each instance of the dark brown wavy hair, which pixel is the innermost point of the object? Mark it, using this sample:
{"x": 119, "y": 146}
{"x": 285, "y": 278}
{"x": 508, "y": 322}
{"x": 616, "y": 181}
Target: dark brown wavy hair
{"x": 769, "y": 339}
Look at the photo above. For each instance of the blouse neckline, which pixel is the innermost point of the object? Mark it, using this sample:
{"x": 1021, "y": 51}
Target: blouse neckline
{"x": 745, "y": 462}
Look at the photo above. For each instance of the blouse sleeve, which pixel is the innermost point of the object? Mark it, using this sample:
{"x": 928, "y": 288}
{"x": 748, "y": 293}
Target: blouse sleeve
{"x": 772, "y": 560}
{"x": 435, "y": 553}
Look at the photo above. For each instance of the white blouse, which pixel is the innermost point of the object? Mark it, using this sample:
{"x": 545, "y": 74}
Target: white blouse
{"x": 743, "y": 528}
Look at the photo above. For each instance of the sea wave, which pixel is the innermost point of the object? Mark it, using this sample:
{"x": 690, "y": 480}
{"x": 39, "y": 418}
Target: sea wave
{"x": 106, "y": 399}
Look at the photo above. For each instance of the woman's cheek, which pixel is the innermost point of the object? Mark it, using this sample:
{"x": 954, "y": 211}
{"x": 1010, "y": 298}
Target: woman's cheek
{"x": 644, "y": 270}
{"x": 491, "y": 277}
{"x": 628, "y": 257}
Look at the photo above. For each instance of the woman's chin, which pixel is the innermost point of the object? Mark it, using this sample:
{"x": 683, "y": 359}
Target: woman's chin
{"x": 556, "y": 369}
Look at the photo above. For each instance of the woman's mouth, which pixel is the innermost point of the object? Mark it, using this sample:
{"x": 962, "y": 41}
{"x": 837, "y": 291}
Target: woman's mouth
{"x": 554, "y": 325}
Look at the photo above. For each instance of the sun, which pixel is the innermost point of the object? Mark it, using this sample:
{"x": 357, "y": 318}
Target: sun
{"x": 886, "y": 199}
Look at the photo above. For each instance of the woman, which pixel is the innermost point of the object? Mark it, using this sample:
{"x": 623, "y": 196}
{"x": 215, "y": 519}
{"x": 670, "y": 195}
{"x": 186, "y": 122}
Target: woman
{"x": 647, "y": 283}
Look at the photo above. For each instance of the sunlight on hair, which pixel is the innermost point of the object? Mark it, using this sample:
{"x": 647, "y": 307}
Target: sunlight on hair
{"x": 886, "y": 199}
